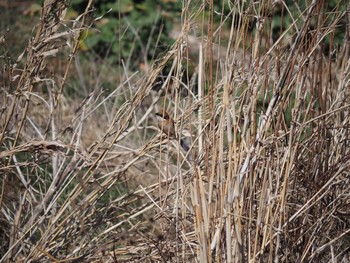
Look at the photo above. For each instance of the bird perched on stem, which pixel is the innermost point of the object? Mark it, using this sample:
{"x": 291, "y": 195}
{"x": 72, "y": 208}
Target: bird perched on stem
{"x": 167, "y": 125}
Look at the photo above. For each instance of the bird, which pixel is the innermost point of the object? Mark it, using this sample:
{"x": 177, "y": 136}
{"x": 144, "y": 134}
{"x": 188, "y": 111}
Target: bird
{"x": 167, "y": 125}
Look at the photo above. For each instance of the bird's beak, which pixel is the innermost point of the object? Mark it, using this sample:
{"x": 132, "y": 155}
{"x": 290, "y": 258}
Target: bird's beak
{"x": 160, "y": 117}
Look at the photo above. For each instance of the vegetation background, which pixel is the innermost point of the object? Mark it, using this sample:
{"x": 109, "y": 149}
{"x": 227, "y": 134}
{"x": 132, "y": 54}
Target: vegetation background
{"x": 259, "y": 89}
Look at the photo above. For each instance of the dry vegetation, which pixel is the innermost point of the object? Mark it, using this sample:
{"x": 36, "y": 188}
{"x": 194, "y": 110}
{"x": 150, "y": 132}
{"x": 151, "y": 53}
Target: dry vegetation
{"x": 267, "y": 176}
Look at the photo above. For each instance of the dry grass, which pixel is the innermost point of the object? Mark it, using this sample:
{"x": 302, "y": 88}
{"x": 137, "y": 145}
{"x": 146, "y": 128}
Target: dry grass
{"x": 267, "y": 175}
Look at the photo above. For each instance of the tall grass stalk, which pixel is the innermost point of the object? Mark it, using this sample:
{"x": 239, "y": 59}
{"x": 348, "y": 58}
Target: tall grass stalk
{"x": 266, "y": 178}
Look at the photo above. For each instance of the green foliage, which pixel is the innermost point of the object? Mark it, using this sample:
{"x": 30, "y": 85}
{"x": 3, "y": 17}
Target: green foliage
{"x": 282, "y": 19}
{"x": 128, "y": 30}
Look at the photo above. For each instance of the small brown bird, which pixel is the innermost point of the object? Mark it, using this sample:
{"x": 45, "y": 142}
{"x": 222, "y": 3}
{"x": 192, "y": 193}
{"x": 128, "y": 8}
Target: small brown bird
{"x": 167, "y": 125}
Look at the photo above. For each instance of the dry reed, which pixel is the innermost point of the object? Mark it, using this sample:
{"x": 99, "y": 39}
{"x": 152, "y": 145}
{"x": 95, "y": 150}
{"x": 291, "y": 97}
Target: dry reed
{"x": 267, "y": 175}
